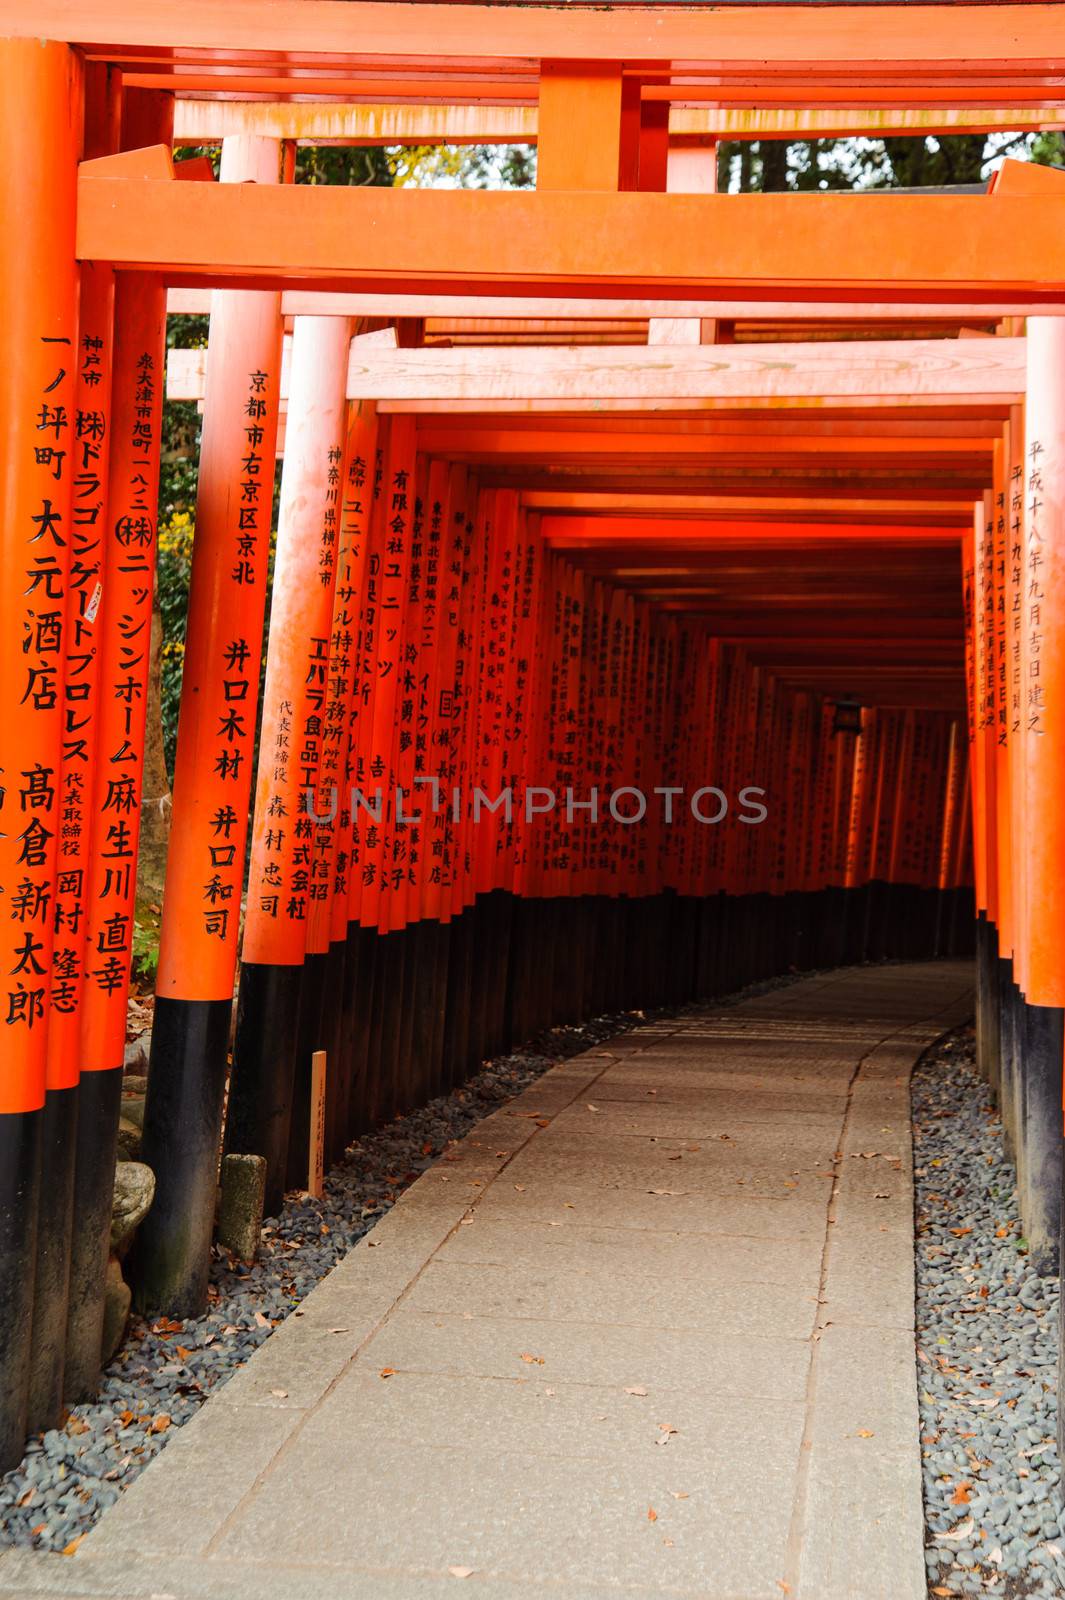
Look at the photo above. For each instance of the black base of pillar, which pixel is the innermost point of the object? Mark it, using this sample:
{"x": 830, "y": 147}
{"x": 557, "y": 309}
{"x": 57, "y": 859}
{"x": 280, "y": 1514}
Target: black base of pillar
{"x": 1040, "y": 1138}
{"x": 171, "y": 1257}
{"x": 96, "y": 1138}
{"x": 55, "y": 1215}
{"x": 309, "y": 1038}
{"x": 264, "y": 1055}
{"x": 20, "y": 1174}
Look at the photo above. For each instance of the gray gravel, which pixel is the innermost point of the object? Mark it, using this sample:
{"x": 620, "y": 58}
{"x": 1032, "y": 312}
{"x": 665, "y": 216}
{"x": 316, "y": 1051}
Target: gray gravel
{"x": 987, "y": 1349}
{"x": 166, "y": 1370}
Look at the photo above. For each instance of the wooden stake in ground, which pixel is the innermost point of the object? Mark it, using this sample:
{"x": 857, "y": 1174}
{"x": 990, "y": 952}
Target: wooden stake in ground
{"x": 316, "y": 1152}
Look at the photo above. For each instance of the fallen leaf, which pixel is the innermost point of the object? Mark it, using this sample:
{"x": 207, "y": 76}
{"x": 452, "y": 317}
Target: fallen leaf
{"x": 182, "y": 1352}
{"x": 279, "y": 1394}
{"x": 520, "y": 1188}
{"x": 652, "y": 1514}
{"x": 593, "y": 1108}
{"x": 881, "y": 1194}
{"x": 387, "y": 1372}
{"x": 995, "y": 1555}
{"x": 865, "y": 1433}
{"x": 786, "y": 1587}
{"x": 532, "y": 1361}
{"x": 461, "y": 1572}
{"x": 959, "y": 1233}
{"x": 960, "y": 1497}
{"x": 680, "y": 1494}
{"x": 263, "y": 1322}
{"x": 338, "y": 1330}
{"x": 160, "y": 1423}
{"x": 665, "y": 1432}
{"x": 957, "y": 1535}
{"x": 637, "y": 1388}
{"x": 69, "y": 1549}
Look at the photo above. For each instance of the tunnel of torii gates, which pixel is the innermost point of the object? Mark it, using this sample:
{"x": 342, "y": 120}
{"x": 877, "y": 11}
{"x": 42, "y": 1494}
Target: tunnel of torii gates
{"x": 617, "y": 485}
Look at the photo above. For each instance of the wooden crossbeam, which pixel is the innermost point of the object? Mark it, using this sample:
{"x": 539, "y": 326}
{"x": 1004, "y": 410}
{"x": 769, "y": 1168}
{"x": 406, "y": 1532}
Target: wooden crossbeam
{"x": 892, "y": 369}
{"x": 206, "y": 121}
{"x": 804, "y": 246}
{"x": 313, "y": 302}
{"x": 955, "y": 37}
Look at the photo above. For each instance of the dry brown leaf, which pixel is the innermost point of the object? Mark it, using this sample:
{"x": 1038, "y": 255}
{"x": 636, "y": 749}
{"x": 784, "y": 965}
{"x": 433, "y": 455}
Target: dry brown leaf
{"x": 865, "y": 1433}
{"x": 182, "y": 1352}
{"x": 69, "y": 1549}
{"x": 532, "y": 1361}
{"x": 652, "y": 1514}
{"x": 279, "y": 1394}
{"x": 387, "y": 1372}
{"x": 957, "y": 1535}
{"x": 263, "y": 1322}
{"x": 160, "y": 1423}
{"x": 665, "y": 1431}
{"x": 960, "y": 1497}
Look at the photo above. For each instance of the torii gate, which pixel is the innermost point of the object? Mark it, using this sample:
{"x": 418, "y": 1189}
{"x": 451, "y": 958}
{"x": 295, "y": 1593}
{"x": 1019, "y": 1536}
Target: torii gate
{"x": 529, "y": 543}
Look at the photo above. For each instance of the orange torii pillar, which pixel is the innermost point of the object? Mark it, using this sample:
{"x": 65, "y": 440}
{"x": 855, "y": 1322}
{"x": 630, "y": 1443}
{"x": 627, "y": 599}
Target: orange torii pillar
{"x": 1042, "y": 753}
{"x": 122, "y": 622}
{"x": 60, "y": 1258}
{"x": 212, "y": 780}
{"x": 297, "y": 664}
{"x": 41, "y": 90}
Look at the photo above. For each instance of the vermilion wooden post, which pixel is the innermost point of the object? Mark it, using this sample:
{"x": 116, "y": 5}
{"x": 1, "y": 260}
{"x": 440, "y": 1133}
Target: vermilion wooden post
{"x": 1041, "y": 753}
{"x": 346, "y": 979}
{"x": 320, "y": 802}
{"x": 89, "y": 533}
{"x": 124, "y": 649}
{"x": 41, "y": 94}
{"x": 427, "y": 801}
{"x": 86, "y": 475}
{"x": 391, "y": 555}
{"x": 296, "y": 671}
{"x": 212, "y": 780}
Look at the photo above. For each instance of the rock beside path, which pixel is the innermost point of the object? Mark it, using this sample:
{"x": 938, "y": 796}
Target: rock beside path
{"x": 987, "y": 1334}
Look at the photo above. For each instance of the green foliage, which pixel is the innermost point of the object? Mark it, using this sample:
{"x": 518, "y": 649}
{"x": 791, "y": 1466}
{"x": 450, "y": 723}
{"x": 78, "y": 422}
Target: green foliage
{"x": 174, "y": 569}
{"x": 145, "y": 949}
{"x": 866, "y": 163}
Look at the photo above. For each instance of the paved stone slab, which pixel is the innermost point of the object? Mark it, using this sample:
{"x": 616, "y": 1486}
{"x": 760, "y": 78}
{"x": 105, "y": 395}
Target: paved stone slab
{"x": 660, "y": 1348}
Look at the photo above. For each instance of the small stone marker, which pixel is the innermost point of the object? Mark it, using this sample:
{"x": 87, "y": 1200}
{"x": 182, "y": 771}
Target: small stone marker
{"x": 316, "y": 1154}
{"x": 240, "y": 1215}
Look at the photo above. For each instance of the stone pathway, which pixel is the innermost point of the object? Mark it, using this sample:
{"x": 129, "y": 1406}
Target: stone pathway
{"x": 648, "y": 1330}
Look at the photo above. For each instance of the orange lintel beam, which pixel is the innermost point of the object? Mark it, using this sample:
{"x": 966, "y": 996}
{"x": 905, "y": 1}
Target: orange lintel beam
{"x": 632, "y": 442}
{"x": 311, "y": 302}
{"x": 964, "y": 37}
{"x": 205, "y": 121}
{"x": 574, "y": 530}
{"x": 899, "y": 369}
{"x": 809, "y": 245}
